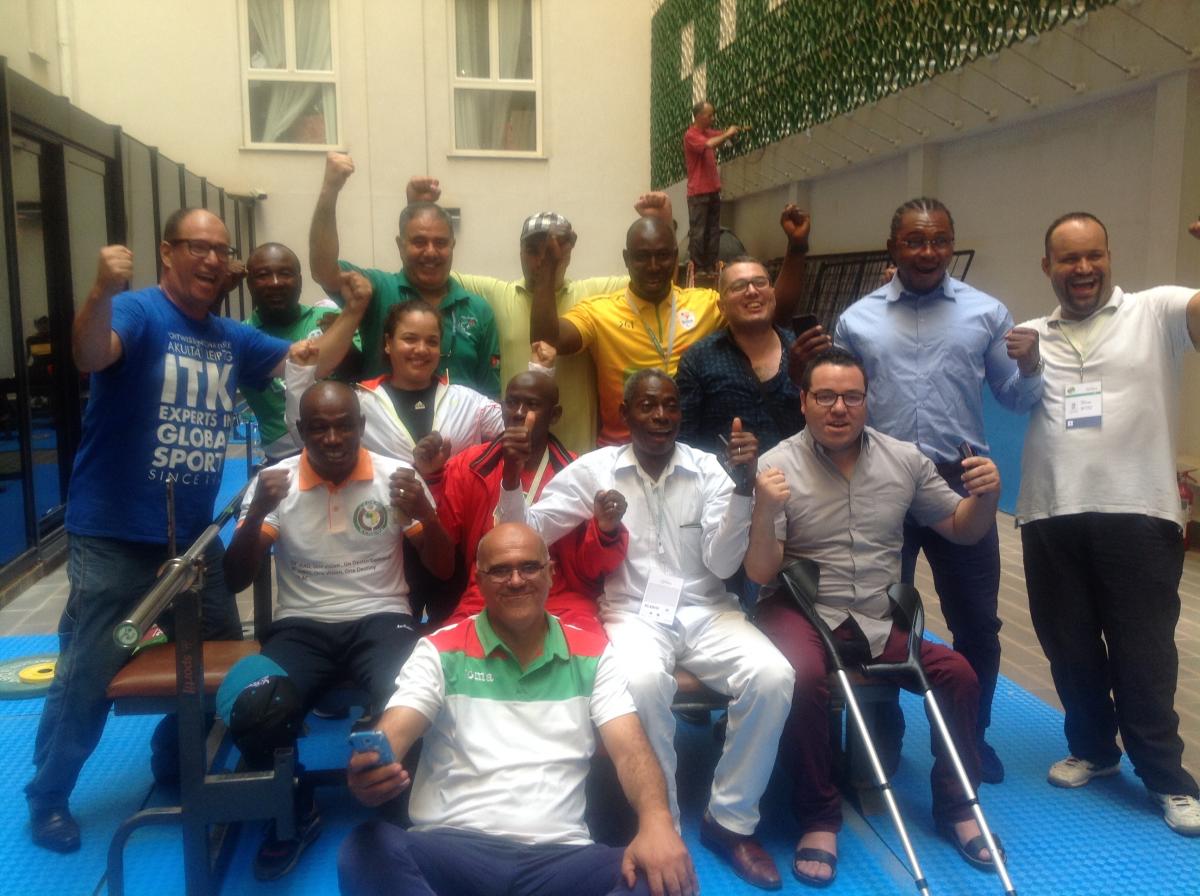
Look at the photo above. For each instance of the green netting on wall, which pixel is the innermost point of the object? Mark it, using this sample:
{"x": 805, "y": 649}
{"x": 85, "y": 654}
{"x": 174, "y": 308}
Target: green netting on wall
{"x": 792, "y": 64}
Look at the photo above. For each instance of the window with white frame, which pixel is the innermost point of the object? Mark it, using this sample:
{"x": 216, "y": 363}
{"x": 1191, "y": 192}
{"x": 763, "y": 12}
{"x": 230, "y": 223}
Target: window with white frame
{"x": 495, "y": 60}
{"x": 289, "y": 62}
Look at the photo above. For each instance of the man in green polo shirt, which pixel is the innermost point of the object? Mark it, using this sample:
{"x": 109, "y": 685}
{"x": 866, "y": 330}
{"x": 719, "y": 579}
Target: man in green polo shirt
{"x": 274, "y": 280}
{"x": 509, "y": 703}
{"x": 470, "y": 349}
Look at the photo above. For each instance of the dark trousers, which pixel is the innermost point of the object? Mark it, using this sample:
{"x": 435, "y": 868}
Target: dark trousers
{"x": 967, "y": 580}
{"x": 804, "y": 747}
{"x": 704, "y": 229}
{"x": 381, "y": 858}
{"x": 367, "y": 651}
{"x": 1104, "y": 597}
{"x": 108, "y": 577}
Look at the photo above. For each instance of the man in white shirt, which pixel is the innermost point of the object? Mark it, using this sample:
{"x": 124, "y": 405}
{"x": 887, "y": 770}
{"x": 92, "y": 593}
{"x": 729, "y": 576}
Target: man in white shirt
{"x": 1100, "y": 517}
{"x": 336, "y": 515}
{"x": 667, "y": 605}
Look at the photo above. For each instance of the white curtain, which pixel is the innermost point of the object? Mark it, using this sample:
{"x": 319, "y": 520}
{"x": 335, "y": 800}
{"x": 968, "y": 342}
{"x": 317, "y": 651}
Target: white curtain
{"x": 289, "y": 101}
{"x": 471, "y": 61}
{"x": 489, "y": 119}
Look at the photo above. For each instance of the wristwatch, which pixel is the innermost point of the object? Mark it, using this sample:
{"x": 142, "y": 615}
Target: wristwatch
{"x": 1037, "y": 371}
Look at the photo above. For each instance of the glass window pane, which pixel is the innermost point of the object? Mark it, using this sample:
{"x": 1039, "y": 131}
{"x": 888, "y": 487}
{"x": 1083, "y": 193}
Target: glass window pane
{"x": 495, "y": 119}
{"x": 516, "y": 39}
{"x": 292, "y": 112}
{"x": 471, "y": 38}
{"x": 268, "y": 48}
{"x": 314, "y": 51}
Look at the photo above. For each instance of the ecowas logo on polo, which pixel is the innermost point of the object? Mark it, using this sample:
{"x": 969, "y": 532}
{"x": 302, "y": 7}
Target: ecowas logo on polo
{"x": 371, "y": 517}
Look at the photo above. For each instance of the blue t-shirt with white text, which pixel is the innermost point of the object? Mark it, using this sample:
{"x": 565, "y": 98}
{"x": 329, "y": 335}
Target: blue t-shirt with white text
{"x": 163, "y": 412}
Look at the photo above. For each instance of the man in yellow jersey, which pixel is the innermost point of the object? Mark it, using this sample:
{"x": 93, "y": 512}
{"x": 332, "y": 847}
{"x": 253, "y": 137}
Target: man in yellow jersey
{"x": 648, "y": 324}
{"x": 510, "y": 301}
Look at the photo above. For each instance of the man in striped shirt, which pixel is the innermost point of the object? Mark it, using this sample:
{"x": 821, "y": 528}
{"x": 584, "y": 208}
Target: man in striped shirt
{"x": 506, "y": 702}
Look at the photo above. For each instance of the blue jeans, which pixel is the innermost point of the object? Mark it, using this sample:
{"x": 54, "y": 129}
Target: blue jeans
{"x": 381, "y": 859}
{"x": 108, "y": 578}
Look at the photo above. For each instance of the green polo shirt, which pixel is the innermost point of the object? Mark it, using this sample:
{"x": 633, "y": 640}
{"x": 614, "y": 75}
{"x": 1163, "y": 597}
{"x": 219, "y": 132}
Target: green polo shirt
{"x": 470, "y": 347}
{"x": 268, "y": 403}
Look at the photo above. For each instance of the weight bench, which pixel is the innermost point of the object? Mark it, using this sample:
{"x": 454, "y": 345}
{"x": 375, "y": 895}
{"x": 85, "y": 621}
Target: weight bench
{"x": 182, "y": 677}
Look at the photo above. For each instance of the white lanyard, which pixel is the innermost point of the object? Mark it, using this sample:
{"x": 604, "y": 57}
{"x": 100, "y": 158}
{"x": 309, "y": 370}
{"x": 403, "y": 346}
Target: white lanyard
{"x": 665, "y": 355}
{"x": 535, "y": 486}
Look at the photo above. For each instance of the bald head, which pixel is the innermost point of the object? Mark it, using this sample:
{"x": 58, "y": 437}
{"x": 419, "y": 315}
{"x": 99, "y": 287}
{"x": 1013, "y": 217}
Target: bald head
{"x": 274, "y": 280}
{"x": 650, "y": 257}
{"x": 331, "y": 426}
{"x": 508, "y": 537}
{"x": 329, "y": 394}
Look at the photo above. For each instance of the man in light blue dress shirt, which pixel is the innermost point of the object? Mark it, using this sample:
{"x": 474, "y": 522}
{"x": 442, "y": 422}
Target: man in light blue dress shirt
{"x": 929, "y": 343}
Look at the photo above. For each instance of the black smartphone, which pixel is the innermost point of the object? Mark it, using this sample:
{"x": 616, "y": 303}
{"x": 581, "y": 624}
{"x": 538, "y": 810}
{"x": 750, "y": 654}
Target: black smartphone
{"x": 803, "y": 323}
{"x": 965, "y": 450}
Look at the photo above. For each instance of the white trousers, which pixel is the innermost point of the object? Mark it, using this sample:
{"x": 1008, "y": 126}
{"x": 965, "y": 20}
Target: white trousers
{"x": 731, "y": 656}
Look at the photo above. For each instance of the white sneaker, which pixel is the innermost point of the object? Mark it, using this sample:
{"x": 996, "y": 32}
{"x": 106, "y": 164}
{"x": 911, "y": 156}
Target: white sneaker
{"x": 1181, "y": 813}
{"x": 1073, "y": 772}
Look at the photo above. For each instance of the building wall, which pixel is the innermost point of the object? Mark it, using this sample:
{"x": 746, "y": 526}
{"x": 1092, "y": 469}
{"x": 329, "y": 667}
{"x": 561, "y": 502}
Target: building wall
{"x": 177, "y": 85}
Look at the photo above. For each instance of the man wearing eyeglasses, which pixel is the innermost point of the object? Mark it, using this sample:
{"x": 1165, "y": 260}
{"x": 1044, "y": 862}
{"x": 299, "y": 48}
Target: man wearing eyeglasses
{"x": 740, "y": 371}
{"x": 160, "y": 411}
{"x": 509, "y": 703}
{"x": 838, "y": 493}
{"x": 929, "y": 343}
{"x": 652, "y": 322}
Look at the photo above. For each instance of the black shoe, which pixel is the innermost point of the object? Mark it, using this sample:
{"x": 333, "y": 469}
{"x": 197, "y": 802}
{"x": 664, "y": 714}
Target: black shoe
{"x": 991, "y": 769}
{"x": 54, "y": 829}
{"x": 275, "y": 858}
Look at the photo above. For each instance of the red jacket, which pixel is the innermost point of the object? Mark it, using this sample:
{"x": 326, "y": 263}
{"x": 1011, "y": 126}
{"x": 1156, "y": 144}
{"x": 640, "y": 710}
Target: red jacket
{"x": 466, "y": 500}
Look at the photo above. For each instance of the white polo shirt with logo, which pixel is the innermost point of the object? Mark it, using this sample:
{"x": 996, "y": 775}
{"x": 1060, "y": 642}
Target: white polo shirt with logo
{"x": 508, "y": 749}
{"x": 337, "y": 547}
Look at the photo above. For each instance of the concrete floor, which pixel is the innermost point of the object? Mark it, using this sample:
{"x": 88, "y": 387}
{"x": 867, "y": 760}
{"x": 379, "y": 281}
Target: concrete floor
{"x": 36, "y": 611}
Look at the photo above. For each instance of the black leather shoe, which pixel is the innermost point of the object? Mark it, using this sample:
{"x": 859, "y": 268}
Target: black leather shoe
{"x": 54, "y": 829}
{"x": 991, "y": 769}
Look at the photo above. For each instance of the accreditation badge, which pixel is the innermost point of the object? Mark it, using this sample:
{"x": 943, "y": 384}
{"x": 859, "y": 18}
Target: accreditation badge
{"x": 1083, "y": 403}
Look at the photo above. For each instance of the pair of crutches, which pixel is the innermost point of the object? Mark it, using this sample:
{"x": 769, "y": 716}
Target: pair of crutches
{"x": 800, "y": 580}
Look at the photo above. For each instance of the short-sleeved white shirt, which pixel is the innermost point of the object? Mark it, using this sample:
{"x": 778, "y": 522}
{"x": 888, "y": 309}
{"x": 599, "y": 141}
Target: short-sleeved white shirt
{"x": 508, "y": 749}
{"x": 1127, "y": 463}
{"x": 337, "y": 548}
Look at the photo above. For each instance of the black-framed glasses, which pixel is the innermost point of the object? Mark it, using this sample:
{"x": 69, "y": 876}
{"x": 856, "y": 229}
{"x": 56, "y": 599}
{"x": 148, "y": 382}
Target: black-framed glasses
{"x": 827, "y": 398}
{"x": 739, "y": 288}
{"x": 917, "y": 243}
{"x": 501, "y": 574}
{"x": 201, "y": 248}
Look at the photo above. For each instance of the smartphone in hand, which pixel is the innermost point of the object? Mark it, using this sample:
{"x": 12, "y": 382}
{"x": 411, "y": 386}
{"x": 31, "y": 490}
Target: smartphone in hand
{"x": 802, "y": 323}
{"x": 372, "y": 742}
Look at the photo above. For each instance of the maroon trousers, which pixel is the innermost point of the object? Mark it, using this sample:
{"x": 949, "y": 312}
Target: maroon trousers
{"x": 804, "y": 748}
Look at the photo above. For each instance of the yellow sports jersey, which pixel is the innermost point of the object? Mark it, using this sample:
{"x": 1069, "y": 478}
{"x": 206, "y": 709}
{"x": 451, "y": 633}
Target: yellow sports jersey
{"x": 623, "y": 342}
{"x": 510, "y": 302}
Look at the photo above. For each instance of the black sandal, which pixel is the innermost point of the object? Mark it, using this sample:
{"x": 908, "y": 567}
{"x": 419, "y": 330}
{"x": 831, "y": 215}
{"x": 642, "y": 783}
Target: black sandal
{"x": 812, "y": 854}
{"x": 972, "y": 848}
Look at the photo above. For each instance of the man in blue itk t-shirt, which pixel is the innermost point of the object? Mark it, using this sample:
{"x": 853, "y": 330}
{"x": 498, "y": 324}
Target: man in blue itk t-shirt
{"x": 161, "y": 407}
